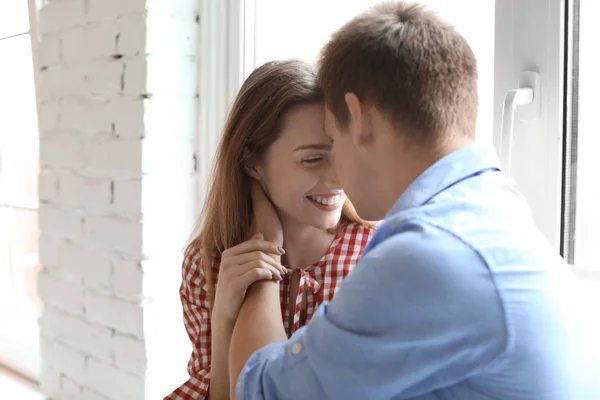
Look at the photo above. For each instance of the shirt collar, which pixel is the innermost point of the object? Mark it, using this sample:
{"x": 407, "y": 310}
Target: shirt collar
{"x": 454, "y": 167}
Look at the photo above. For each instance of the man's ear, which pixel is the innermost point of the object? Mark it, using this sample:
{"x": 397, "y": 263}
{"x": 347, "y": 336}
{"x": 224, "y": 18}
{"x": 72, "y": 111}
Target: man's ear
{"x": 359, "y": 121}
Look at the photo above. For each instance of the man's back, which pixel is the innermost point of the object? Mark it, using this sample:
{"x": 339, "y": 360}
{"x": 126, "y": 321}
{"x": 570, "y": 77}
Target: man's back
{"x": 546, "y": 338}
{"x": 458, "y": 296}
{"x": 541, "y": 344}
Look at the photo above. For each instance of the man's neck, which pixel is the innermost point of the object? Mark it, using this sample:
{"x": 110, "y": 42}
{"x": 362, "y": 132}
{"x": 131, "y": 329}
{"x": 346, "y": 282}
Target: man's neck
{"x": 304, "y": 244}
{"x": 413, "y": 162}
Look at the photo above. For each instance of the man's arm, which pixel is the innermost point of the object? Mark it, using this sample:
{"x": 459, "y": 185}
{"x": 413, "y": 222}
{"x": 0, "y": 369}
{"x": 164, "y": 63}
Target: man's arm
{"x": 418, "y": 313}
{"x": 259, "y": 323}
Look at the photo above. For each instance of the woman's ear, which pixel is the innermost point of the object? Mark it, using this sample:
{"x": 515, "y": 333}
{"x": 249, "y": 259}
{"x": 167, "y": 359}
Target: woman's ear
{"x": 254, "y": 170}
{"x": 251, "y": 166}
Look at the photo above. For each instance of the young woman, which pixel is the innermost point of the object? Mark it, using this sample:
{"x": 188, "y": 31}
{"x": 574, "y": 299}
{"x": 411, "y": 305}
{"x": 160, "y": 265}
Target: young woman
{"x": 274, "y": 138}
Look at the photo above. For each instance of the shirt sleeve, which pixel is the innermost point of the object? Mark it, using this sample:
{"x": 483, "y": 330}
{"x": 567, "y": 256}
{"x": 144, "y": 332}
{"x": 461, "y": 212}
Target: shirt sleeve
{"x": 196, "y": 306}
{"x": 419, "y": 312}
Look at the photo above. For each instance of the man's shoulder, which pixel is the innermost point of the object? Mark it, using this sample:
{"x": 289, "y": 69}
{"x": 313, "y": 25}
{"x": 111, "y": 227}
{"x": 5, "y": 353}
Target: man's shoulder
{"x": 418, "y": 232}
{"x": 414, "y": 248}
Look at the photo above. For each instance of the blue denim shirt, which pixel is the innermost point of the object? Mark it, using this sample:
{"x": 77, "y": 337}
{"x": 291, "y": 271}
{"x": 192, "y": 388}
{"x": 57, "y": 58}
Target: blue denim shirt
{"x": 457, "y": 296}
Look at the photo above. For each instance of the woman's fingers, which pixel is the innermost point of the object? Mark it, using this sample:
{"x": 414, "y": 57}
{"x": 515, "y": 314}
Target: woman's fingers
{"x": 254, "y": 245}
{"x": 243, "y": 281}
{"x": 255, "y": 255}
{"x": 240, "y": 270}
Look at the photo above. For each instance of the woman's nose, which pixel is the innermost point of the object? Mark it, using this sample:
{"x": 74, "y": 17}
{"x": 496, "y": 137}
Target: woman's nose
{"x": 331, "y": 177}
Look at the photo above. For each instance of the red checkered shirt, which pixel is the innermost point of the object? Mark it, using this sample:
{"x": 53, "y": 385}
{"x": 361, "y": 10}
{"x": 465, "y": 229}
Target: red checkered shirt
{"x": 318, "y": 282}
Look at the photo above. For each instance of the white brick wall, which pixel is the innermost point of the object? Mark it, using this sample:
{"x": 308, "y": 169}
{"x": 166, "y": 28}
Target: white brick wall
{"x": 117, "y": 106}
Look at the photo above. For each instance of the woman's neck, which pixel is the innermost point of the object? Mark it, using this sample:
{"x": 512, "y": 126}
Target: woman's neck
{"x": 304, "y": 245}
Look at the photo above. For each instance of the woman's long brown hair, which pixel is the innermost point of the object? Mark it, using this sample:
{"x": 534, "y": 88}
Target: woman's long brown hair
{"x": 253, "y": 124}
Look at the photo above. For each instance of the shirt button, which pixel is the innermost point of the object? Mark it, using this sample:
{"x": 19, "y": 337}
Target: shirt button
{"x": 296, "y": 349}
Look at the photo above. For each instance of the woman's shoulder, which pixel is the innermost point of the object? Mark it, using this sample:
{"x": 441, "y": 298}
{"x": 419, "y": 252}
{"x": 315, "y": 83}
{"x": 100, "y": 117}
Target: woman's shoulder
{"x": 355, "y": 234}
{"x": 193, "y": 260}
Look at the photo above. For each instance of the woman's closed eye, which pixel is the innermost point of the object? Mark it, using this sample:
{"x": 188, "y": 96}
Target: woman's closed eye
{"x": 312, "y": 160}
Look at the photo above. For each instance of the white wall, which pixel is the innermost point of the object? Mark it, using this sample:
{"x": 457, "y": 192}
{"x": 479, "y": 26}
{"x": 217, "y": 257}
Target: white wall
{"x": 117, "y": 104}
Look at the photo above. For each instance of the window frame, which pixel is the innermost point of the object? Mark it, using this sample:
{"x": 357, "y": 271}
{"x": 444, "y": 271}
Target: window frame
{"x": 221, "y": 50}
{"x": 23, "y": 361}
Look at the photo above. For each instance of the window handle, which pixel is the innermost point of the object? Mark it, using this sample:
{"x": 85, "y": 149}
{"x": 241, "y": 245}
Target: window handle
{"x": 526, "y": 95}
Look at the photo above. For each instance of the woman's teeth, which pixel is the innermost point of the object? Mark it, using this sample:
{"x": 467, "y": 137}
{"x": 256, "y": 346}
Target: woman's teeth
{"x": 328, "y": 201}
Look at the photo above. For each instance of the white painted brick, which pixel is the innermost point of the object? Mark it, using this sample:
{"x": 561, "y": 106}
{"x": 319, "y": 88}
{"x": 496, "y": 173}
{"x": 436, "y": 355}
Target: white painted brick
{"x": 96, "y": 193}
{"x": 89, "y": 116}
{"x": 70, "y": 390}
{"x": 115, "y": 313}
{"x": 74, "y": 46}
{"x": 101, "y": 41}
{"x": 60, "y": 293}
{"x": 48, "y": 116}
{"x": 50, "y": 380}
{"x": 98, "y": 274}
{"x": 114, "y": 382}
{"x": 59, "y": 15}
{"x": 92, "y": 269}
{"x": 91, "y": 146}
{"x": 77, "y": 333}
{"x": 130, "y": 354}
{"x": 89, "y": 394}
{"x": 60, "y": 223}
{"x": 114, "y": 233}
{"x": 48, "y": 250}
{"x": 90, "y": 338}
{"x": 49, "y": 50}
{"x": 61, "y": 152}
{"x": 106, "y": 77}
{"x": 112, "y": 9}
{"x": 48, "y": 186}
{"x": 127, "y": 196}
{"x": 135, "y": 77}
{"x": 50, "y": 321}
{"x": 70, "y": 189}
{"x": 57, "y": 82}
{"x": 128, "y": 117}
{"x": 64, "y": 359}
{"x": 119, "y": 155}
{"x": 90, "y": 193}
{"x": 132, "y": 35}
{"x": 128, "y": 278}
{"x": 92, "y": 118}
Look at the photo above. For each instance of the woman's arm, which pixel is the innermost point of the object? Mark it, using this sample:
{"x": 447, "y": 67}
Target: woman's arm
{"x": 259, "y": 323}
{"x": 221, "y": 337}
{"x": 241, "y": 266}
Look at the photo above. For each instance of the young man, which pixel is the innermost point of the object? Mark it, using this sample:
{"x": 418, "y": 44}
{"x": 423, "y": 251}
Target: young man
{"x": 458, "y": 295}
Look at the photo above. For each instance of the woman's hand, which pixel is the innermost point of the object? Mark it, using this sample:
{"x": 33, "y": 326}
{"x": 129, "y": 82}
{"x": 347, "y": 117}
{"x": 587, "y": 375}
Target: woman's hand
{"x": 241, "y": 266}
{"x": 265, "y": 218}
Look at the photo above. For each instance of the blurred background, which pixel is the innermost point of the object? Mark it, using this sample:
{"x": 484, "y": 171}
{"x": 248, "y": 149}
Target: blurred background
{"x": 110, "y": 114}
